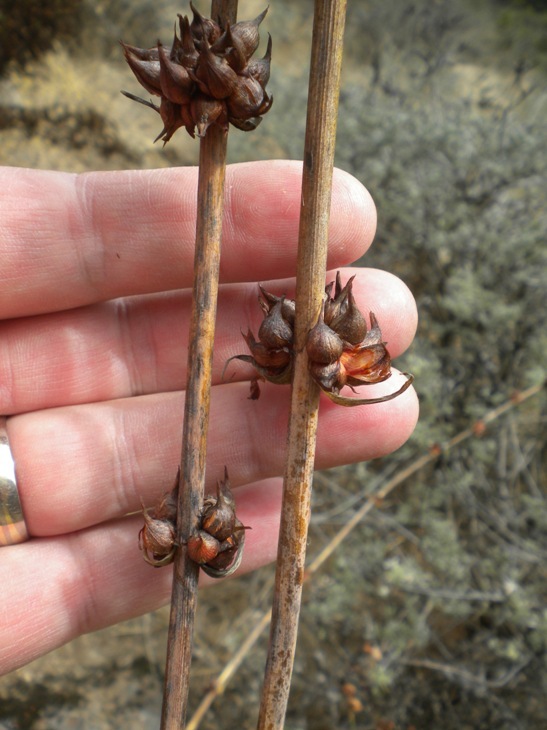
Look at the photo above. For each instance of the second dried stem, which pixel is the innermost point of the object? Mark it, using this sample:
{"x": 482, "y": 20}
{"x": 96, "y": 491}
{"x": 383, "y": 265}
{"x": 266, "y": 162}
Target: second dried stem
{"x": 326, "y": 57}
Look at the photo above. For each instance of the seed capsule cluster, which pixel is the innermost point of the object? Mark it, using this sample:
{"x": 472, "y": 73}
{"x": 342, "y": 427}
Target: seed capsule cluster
{"x": 341, "y": 349}
{"x": 207, "y": 76}
{"x": 217, "y": 544}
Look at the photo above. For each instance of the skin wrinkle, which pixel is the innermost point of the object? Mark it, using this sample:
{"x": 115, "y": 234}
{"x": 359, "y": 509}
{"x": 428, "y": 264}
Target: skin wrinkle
{"x": 91, "y": 256}
{"x": 125, "y": 459}
{"x": 123, "y": 316}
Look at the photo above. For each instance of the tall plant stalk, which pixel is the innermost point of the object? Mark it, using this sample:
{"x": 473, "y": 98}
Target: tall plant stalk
{"x": 324, "y": 85}
{"x": 210, "y": 206}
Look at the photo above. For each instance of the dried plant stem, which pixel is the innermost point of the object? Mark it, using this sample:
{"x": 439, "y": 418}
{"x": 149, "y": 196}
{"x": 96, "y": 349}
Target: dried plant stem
{"x": 373, "y": 501}
{"x": 210, "y": 206}
{"x": 326, "y": 59}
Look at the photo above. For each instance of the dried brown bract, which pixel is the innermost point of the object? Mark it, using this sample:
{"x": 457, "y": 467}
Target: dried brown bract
{"x": 341, "y": 349}
{"x": 157, "y": 537}
{"x": 207, "y": 76}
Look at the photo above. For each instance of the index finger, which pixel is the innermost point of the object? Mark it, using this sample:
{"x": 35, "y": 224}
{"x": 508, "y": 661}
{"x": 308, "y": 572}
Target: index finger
{"x": 68, "y": 240}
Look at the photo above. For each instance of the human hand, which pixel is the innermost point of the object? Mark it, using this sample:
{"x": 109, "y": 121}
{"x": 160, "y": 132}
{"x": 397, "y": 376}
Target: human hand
{"x": 95, "y": 304}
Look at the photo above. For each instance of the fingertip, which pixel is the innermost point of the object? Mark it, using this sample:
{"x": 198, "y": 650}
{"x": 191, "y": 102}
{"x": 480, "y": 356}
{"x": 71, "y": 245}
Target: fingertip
{"x": 369, "y": 431}
{"x": 263, "y": 202}
{"x": 353, "y": 219}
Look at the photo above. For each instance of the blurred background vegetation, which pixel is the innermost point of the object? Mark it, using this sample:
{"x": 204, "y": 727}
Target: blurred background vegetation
{"x": 433, "y": 613}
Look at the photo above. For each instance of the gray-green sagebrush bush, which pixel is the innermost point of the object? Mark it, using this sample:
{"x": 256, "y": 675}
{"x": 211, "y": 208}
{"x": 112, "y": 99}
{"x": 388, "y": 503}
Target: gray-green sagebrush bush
{"x": 453, "y": 590}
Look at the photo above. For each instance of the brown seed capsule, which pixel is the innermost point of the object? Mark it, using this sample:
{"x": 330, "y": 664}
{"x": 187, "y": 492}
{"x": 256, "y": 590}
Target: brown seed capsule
{"x": 366, "y": 364}
{"x": 157, "y": 540}
{"x": 260, "y": 68}
{"x": 172, "y": 119}
{"x": 213, "y": 74}
{"x": 203, "y": 28}
{"x": 275, "y": 331}
{"x": 349, "y": 323}
{"x": 206, "y": 111}
{"x": 202, "y": 547}
{"x": 271, "y": 358}
{"x": 229, "y": 557}
{"x": 330, "y": 377}
{"x": 247, "y": 99}
{"x": 246, "y": 32}
{"x": 268, "y": 300}
{"x": 374, "y": 335}
{"x": 147, "y": 71}
{"x": 157, "y": 537}
{"x": 323, "y": 345}
{"x": 184, "y": 50}
{"x": 219, "y": 518}
{"x": 176, "y": 84}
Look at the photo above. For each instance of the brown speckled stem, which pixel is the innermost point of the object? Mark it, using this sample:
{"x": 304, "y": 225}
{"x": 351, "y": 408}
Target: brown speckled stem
{"x": 326, "y": 58}
{"x": 210, "y": 206}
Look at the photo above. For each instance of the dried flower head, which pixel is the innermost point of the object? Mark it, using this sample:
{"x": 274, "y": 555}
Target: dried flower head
{"x": 207, "y": 76}
{"x": 217, "y": 543}
{"x": 341, "y": 350}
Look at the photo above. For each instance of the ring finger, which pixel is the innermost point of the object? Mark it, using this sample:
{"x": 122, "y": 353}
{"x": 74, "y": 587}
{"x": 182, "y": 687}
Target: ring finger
{"x": 82, "y": 465}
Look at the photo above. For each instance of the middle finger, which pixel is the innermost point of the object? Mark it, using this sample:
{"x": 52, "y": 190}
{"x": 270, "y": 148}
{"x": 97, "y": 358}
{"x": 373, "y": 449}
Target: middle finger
{"x": 136, "y": 346}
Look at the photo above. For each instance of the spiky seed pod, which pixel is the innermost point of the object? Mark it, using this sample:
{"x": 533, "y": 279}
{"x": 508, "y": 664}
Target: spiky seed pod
{"x": 218, "y": 518}
{"x": 260, "y": 68}
{"x": 176, "y": 84}
{"x": 275, "y": 332}
{"x": 157, "y": 536}
{"x": 157, "y": 540}
{"x": 366, "y": 364}
{"x": 336, "y": 306}
{"x": 202, "y": 27}
{"x": 246, "y": 33}
{"x": 208, "y": 73}
{"x": 247, "y": 99}
{"x": 146, "y": 70}
{"x": 214, "y": 75}
{"x": 323, "y": 345}
{"x": 348, "y": 322}
{"x": 184, "y": 50}
{"x": 206, "y": 111}
{"x": 230, "y": 554}
{"x": 267, "y": 301}
{"x": 265, "y": 356}
{"x": 171, "y": 117}
{"x": 374, "y": 335}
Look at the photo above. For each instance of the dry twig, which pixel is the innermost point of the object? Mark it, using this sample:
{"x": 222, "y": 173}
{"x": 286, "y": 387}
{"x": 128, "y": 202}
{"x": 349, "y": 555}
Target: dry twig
{"x": 326, "y": 58}
{"x": 210, "y": 205}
